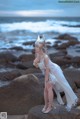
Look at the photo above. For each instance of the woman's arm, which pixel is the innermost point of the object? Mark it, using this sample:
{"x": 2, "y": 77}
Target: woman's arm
{"x": 36, "y": 60}
{"x": 35, "y": 63}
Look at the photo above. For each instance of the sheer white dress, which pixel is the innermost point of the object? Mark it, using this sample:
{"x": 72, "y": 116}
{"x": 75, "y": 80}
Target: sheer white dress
{"x": 57, "y": 78}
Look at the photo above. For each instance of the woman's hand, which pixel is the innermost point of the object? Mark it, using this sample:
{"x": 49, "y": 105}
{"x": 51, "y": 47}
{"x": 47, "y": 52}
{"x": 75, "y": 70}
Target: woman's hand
{"x": 35, "y": 64}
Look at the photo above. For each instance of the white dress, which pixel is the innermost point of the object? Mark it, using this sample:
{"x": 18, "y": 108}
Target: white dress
{"x": 57, "y": 78}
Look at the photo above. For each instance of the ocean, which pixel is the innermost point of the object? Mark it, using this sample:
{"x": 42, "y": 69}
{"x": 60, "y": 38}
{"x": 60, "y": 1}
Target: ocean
{"x": 15, "y": 31}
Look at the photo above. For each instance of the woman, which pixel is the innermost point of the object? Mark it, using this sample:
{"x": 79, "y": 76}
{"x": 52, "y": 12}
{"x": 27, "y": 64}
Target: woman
{"x": 54, "y": 78}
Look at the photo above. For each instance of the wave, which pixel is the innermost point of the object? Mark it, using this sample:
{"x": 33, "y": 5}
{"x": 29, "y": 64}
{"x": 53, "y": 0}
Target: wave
{"x": 43, "y": 26}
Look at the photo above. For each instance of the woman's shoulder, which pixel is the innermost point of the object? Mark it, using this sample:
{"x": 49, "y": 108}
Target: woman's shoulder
{"x": 46, "y": 56}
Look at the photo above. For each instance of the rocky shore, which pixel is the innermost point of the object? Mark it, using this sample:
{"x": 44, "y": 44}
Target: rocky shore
{"x": 23, "y": 92}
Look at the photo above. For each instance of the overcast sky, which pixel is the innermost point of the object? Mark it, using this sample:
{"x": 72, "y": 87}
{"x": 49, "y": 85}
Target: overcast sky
{"x": 38, "y": 8}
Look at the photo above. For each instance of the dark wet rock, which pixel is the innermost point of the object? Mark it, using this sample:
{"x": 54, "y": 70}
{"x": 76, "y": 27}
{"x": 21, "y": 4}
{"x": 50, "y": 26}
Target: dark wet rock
{"x": 24, "y": 65}
{"x": 78, "y": 94}
{"x": 76, "y": 60}
{"x": 66, "y": 37}
{"x": 21, "y": 66}
{"x": 57, "y": 41}
{"x": 69, "y": 57}
{"x": 40, "y": 76}
{"x": 66, "y": 45}
{"x": 17, "y": 48}
{"x": 59, "y": 113}
{"x": 6, "y": 57}
{"x": 73, "y": 77}
{"x": 61, "y": 60}
{"x": 9, "y": 75}
{"x": 31, "y": 70}
{"x": 64, "y": 59}
{"x": 26, "y": 57}
{"x": 71, "y": 25}
{"x": 63, "y": 46}
{"x": 21, "y": 95}
{"x": 29, "y": 43}
{"x": 59, "y": 53}
{"x": 70, "y": 41}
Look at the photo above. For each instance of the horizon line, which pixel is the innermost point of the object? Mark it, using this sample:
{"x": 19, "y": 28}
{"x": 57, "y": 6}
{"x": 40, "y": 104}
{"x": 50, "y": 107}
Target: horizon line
{"x": 36, "y": 13}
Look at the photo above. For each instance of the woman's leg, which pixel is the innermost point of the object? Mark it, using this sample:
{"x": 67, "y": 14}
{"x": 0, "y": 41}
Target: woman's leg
{"x": 50, "y": 97}
{"x": 45, "y": 99}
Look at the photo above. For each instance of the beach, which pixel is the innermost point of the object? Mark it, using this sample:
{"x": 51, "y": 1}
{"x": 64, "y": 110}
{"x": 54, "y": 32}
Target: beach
{"x": 21, "y": 84}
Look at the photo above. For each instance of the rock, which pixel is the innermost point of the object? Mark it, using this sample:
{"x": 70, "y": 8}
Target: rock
{"x": 58, "y": 113}
{"x": 29, "y": 43}
{"x": 73, "y": 77}
{"x": 32, "y": 70}
{"x": 66, "y": 45}
{"x": 59, "y": 53}
{"x": 66, "y": 37}
{"x": 24, "y": 65}
{"x": 26, "y": 58}
{"x": 21, "y": 95}
{"x": 6, "y": 57}
{"x": 78, "y": 94}
{"x": 76, "y": 60}
{"x": 61, "y": 60}
{"x": 9, "y": 75}
{"x": 41, "y": 78}
{"x": 63, "y": 46}
{"x": 70, "y": 41}
{"x": 21, "y": 66}
{"x": 17, "y": 116}
{"x": 17, "y": 48}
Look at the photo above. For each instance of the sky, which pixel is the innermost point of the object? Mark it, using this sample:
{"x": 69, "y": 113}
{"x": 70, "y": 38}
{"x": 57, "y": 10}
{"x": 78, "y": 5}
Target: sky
{"x": 39, "y": 8}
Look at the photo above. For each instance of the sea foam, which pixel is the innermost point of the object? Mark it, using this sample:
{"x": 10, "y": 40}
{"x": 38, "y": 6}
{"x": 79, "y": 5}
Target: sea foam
{"x": 43, "y": 26}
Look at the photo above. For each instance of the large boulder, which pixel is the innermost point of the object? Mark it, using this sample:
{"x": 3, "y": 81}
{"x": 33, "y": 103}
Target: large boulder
{"x": 22, "y": 94}
{"x": 61, "y": 60}
{"x": 28, "y": 43}
{"x": 70, "y": 41}
{"x": 66, "y": 37}
{"x": 32, "y": 70}
{"x": 24, "y": 65}
{"x": 78, "y": 94}
{"x": 76, "y": 61}
{"x": 26, "y": 57}
{"x": 6, "y": 57}
{"x": 17, "y": 48}
{"x": 59, "y": 113}
{"x": 73, "y": 77}
{"x": 66, "y": 45}
{"x": 9, "y": 75}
